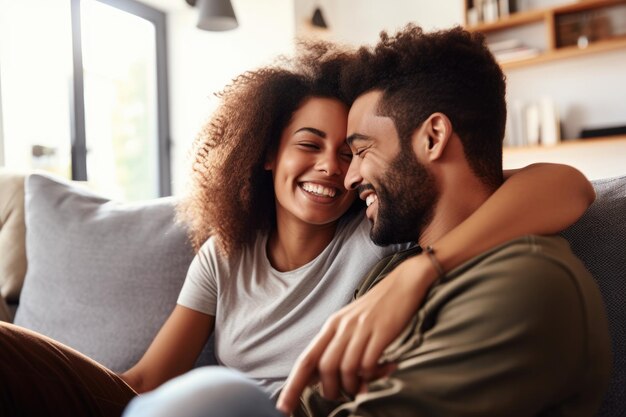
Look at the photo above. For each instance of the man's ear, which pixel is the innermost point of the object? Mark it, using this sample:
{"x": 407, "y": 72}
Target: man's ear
{"x": 435, "y": 133}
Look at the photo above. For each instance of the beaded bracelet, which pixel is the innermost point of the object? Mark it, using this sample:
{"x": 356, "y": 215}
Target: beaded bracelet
{"x": 430, "y": 252}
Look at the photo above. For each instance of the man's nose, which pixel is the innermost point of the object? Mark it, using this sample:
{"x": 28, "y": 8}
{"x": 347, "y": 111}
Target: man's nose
{"x": 353, "y": 178}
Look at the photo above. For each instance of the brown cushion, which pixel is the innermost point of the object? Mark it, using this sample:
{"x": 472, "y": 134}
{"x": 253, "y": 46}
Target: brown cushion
{"x": 12, "y": 235}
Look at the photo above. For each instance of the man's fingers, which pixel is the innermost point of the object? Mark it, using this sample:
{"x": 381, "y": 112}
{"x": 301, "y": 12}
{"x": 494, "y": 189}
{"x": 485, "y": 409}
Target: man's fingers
{"x": 297, "y": 381}
{"x": 332, "y": 359}
{"x": 371, "y": 355}
{"x": 303, "y": 371}
{"x": 381, "y": 372}
{"x": 384, "y": 370}
{"x": 351, "y": 377}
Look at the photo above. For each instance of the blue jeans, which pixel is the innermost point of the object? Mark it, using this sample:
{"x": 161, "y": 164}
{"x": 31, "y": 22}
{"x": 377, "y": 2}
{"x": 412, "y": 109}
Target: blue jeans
{"x": 205, "y": 392}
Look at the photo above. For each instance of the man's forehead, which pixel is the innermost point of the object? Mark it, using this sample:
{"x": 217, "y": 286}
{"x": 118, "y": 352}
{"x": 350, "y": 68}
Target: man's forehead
{"x": 366, "y": 104}
{"x": 363, "y": 115}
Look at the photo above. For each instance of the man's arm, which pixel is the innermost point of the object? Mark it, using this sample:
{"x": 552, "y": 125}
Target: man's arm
{"x": 539, "y": 199}
{"x": 504, "y": 338}
{"x": 508, "y": 339}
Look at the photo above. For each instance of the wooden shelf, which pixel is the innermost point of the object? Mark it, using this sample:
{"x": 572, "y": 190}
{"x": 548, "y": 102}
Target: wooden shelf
{"x": 596, "y": 158}
{"x": 541, "y": 14}
{"x": 582, "y": 5}
{"x": 548, "y": 16}
{"x": 607, "y": 140}
{"x": 568, "y": 52}
{"x": 516, "y": 19}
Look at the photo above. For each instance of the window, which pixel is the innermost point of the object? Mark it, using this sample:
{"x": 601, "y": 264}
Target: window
{"x": 84, "y": 93}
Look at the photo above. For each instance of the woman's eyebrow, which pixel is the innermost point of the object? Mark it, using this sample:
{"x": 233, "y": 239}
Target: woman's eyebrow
{"x": 313, "y": 130}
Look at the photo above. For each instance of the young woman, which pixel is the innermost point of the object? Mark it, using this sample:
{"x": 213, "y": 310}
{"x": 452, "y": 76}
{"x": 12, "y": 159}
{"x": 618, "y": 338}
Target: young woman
{"x": 281, "y": 244}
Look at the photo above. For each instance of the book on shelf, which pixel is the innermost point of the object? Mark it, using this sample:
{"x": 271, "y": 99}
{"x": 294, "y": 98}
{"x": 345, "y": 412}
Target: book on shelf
{"x": 486, "y": 11}
{"x": 515, "y": 54}
{"x": 550, "y": 131}
{"x": 511, "y": 50}
{"x": 504, "y": 45}
{"x": 532, "y": 123}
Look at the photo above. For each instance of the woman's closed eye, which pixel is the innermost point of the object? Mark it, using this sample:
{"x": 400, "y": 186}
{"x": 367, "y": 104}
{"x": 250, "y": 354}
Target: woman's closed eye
{"x": 310, "y": 146}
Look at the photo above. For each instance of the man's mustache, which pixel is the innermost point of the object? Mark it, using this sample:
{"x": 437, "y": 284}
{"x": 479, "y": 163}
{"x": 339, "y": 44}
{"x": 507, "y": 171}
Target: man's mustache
{"x": 364, "y": 187}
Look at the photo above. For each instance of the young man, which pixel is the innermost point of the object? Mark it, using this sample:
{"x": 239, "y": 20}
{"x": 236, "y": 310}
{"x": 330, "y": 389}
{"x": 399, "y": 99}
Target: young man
{"x": 518, "y": 330}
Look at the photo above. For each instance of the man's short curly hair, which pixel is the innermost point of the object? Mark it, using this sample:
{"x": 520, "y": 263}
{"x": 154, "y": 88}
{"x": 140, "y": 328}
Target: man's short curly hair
{"x": 230, "y": 194}
{"x": 449, "y": 71}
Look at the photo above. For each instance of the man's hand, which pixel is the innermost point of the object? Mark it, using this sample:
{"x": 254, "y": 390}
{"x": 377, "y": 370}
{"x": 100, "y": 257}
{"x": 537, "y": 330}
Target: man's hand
{"x": 344, "y": 355}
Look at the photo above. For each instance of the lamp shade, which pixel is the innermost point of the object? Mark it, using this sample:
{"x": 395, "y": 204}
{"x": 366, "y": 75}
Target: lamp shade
{"x": 216, "y": 15}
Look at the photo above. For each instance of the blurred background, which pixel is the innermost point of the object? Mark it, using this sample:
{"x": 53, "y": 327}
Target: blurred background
{"x": 113, "y": 91}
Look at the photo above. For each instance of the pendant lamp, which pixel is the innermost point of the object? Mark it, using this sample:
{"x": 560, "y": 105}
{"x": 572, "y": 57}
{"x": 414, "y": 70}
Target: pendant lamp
{"x": 215, "y": 15}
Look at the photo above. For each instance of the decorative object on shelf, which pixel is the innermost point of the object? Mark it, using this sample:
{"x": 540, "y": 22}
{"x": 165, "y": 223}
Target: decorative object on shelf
{"x": 532, "y": 123}
{"x": 488, "y": 11}
{"x": 318, "y": 18}
{"x": 215, "y": 15}
{"x": 581, "y": 29}
{"x": 603, "y": 132}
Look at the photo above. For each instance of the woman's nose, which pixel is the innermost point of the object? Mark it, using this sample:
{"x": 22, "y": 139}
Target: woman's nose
{"x": 330, "y": 165}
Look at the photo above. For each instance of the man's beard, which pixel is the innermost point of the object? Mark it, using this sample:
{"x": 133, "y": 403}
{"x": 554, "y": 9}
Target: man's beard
{"x": 407, "y": 195}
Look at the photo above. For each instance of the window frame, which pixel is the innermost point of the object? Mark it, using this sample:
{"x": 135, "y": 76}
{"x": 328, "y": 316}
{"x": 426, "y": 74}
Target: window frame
{"x": 78, "y": 134}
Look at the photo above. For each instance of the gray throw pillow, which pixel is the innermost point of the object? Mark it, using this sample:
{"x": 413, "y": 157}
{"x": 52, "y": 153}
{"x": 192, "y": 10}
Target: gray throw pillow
{"x": 102, "y": 276}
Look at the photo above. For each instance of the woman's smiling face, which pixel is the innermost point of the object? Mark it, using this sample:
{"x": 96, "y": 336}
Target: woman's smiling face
{"x": 311, "y": 162}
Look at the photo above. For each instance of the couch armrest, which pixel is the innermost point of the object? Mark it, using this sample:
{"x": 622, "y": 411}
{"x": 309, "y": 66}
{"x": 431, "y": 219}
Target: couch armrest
{"x": 5, "y": 314}
{"x": 12, "y": 235}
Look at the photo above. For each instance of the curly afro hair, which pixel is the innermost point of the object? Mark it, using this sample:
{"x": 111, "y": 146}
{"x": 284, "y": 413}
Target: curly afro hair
{"x": 230, "y": 195}
{"x": 449, "y": 71}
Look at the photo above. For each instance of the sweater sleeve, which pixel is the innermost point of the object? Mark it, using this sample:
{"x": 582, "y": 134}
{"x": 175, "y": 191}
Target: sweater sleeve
{"x": 506, "y": 338}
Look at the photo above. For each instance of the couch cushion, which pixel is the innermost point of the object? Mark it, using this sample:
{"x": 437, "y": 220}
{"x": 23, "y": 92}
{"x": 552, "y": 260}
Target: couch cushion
{"x": 12, "y": 246}
{"x": 599, "y": 240}
{"x": 102, "y": 276}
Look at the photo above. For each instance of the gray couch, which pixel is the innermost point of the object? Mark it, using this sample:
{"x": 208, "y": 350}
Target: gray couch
{"x": 103, "y": 276}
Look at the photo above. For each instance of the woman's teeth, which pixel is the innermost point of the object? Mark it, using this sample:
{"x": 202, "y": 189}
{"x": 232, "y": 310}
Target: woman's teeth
{"x": 370, "y": 199}
{"x": 318, "y": 189}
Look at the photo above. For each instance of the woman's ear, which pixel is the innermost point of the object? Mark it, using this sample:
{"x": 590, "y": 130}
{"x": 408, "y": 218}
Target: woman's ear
{"x": 436, "y": 132}
{"x": 270, "y": 159}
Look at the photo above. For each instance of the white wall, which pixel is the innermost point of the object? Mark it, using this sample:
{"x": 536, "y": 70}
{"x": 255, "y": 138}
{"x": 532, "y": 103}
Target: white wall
{"x": 358, "y": 22}
{"x": 202, "y": 63}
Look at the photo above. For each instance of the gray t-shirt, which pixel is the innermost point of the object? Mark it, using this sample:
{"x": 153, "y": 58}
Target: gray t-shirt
{"x": 265, "y": 318}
